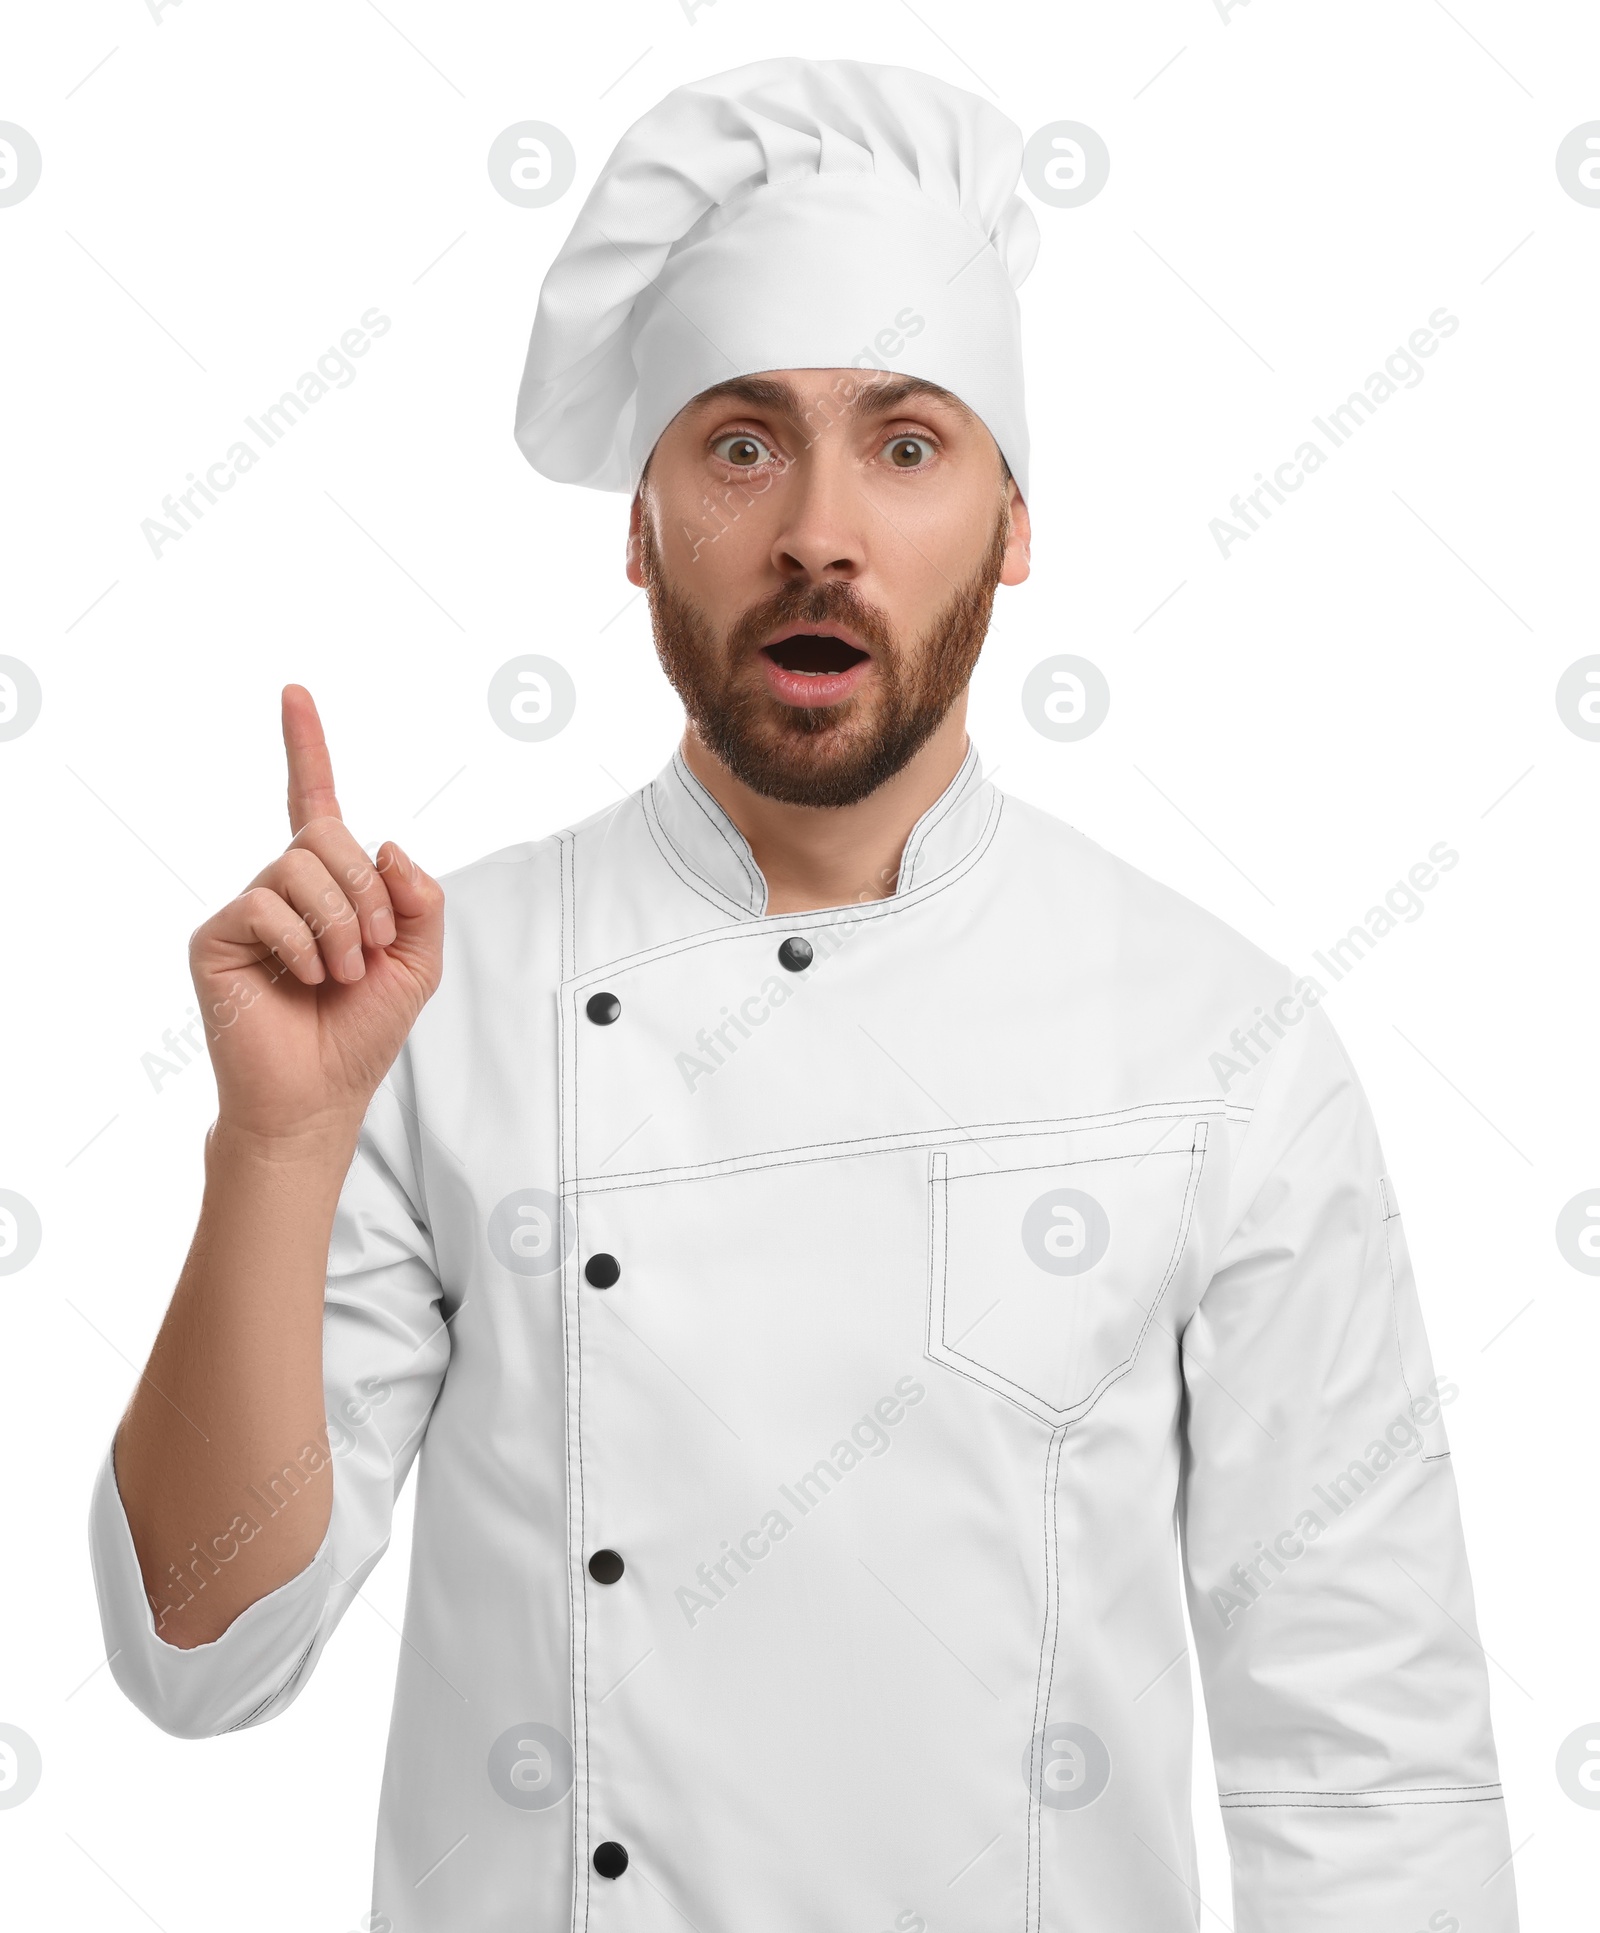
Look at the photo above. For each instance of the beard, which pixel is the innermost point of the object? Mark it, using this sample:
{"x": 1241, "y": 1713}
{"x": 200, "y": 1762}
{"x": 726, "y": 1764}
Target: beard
{"x": 821, "y": 755}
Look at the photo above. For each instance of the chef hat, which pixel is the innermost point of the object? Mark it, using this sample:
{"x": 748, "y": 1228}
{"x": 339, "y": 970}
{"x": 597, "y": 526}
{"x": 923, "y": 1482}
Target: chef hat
{"x": 790, "y": 214}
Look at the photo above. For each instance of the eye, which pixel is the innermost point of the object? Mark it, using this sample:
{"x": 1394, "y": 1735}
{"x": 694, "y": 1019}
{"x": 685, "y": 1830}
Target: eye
{"x": 906, "y": 452}
{"x": 744, "y": 450}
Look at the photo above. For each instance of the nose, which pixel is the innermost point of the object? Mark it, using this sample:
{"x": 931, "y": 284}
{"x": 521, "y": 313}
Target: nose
{"x": 822, "y": 534}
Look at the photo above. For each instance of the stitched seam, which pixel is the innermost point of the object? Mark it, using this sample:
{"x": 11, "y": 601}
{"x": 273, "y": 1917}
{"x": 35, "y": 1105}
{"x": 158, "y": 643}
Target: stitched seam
{"x": 1055, "y": 1409}
{"x": 568, "y": 1031}
{"x": 1352, "y": 1805}
{"x": 1051, "y": 1635}
{"x": 272, "y": 1697}
{"x": 695, "y": 881}
{"x": 939, "y": 1270}
{"x": 1079, "y": 1161}
{"x": 1490, "y": 1786}
{"x": 1074, "y": 1412}
{"x": 917, "y": 839}
{"x": 911, "y": 1138}
{"x": 824, "y": 916}
{"x": 716, "y": 818}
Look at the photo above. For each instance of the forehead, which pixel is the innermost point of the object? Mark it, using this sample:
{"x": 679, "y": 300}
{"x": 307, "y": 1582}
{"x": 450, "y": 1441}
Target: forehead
{"x": 796, "y": 393}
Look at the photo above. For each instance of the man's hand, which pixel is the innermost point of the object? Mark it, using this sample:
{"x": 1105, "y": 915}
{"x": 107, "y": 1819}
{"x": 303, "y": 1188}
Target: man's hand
{"x": 311, "y": 979}
{"x": 309, "y": 982}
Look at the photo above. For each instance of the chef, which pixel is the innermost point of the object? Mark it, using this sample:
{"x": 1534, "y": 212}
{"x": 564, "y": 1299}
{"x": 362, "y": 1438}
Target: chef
{"x": 848, "y": 1256}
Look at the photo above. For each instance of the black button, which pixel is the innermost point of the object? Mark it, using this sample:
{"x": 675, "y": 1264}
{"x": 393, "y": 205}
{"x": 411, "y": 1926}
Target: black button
{"x": 795, "y": 954}
{"x": 610, "y": 1859}
{"x": 600, "y": 1271}
{"x": 605, "y": 1566}
{"x": 602, "y": 1008}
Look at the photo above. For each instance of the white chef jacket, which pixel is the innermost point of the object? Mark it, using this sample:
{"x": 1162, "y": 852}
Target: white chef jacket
{"x": 1024, "y": 1260}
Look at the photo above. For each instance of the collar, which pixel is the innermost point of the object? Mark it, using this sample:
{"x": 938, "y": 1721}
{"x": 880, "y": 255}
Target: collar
{"x": 705, "y": 847}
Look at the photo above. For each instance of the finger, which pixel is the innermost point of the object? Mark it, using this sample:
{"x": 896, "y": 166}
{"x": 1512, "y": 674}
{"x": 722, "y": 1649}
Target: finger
{"x": 311, "y": 794}
{"x": 416, "y": 896}
{"x": 336, "y": 846}
{"x": 301, "y": 878}
{"x": 262, "y": 918}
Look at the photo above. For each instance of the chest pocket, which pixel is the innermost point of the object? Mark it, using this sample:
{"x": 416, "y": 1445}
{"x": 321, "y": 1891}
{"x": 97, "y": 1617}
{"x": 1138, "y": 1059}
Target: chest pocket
{"x": 1049, "y": 1256}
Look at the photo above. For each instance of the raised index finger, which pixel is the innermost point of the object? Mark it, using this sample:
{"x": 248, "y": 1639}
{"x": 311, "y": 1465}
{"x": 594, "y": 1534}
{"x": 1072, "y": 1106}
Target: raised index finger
{"x": 311, "y": 794}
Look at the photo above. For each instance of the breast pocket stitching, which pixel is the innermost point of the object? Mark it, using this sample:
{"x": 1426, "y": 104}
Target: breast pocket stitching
{"x": 1036, "y": 1402}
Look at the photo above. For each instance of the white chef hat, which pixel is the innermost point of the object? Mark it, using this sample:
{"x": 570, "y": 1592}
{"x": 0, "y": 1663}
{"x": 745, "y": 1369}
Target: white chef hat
{"x": 790, "y": 214}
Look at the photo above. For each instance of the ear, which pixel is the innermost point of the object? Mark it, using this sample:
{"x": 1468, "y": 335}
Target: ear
{"x": 632, "y": 563}
{"x": 1018, "y": 545}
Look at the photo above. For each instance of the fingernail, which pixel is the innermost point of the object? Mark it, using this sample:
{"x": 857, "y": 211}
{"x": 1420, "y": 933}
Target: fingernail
{"x": 354, "y": 965}
{"x": 317, "y": 970}
{"x": 383, "y": 926}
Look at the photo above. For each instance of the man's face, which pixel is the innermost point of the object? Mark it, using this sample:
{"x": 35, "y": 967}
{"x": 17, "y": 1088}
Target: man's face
{"x": 821, "y": 549}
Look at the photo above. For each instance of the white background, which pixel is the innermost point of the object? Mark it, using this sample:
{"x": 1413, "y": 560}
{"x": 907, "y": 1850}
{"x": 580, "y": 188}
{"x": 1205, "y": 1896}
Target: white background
{"x": 1294, "y": 189}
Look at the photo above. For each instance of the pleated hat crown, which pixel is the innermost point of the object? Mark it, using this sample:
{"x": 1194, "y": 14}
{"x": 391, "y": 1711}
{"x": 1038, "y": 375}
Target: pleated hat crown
{"x": 789, "y": 214}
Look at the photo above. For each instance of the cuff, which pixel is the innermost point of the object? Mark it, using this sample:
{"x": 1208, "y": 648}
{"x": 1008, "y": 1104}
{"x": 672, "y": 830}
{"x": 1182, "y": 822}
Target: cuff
{"x": 237, "y": 1679}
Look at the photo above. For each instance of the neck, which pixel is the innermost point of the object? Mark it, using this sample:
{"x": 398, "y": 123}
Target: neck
{"x": 814, "y": 856}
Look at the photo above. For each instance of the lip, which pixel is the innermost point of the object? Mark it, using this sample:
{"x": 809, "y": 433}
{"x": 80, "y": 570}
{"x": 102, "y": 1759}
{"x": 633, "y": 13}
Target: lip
{"x": 813, "y": 688}
{"x": 844, "y": 631}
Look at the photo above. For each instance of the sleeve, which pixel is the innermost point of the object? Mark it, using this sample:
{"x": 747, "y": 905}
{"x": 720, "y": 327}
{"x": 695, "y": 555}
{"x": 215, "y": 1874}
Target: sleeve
{"x": 385, "y": 1348}
{"x": 1345, "y": 1686}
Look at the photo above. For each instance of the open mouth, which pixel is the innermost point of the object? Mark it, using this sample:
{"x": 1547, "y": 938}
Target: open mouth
{"x": 813, "y": 657}
{"x": 807, "y": 670}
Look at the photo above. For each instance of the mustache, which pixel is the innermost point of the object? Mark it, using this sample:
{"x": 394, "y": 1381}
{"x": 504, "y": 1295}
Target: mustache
{"x": 830, "y": 603}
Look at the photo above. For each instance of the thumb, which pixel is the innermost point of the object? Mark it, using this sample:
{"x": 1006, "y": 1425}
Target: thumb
{"x": 417, "y": 898}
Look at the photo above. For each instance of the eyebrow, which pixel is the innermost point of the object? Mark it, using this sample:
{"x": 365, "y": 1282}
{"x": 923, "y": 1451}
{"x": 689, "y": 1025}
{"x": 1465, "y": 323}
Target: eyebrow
{"x": 870, "y": 399}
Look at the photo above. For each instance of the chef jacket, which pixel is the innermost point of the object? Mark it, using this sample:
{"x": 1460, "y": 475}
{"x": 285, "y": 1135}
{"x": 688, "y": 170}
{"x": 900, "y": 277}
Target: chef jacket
{"x": 836, "y": 1343}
